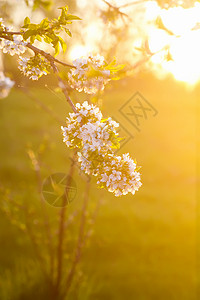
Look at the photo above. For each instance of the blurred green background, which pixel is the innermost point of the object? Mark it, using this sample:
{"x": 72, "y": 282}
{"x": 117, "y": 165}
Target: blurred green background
{"x": 143, "y": 246}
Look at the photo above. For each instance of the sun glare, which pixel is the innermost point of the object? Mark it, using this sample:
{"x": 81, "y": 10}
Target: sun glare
{"x": 92, "y": 33}
{"x": 181, "y": 37}
{"x": 174, "y": 42}
{"x": 78, "y": 51}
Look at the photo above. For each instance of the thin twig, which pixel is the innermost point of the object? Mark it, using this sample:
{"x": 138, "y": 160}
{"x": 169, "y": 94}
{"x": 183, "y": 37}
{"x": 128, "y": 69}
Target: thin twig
{"x": 93, "y": 218}
{"x": 52, "y": 61}
{"x": 147, "y": 58}
{"x": 61, "y": 235}
{"x": 63, "y": 86}
{"x": 13, "y": 32}
{"x": 80, "y": 241}
{"x": 41, "y": 104}
{"x": 29, "y": 231}
{"x": 34, "y": 243}
{"x": 115, "y": 8}
{"x": 133, "y": 3}
{"x": 71, "y": 218}
{"x": 37, "y": 169}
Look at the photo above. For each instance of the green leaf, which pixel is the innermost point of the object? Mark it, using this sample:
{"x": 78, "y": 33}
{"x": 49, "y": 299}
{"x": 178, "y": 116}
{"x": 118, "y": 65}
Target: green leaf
{"x": 32, "y": 39}
{"x": 47, "y": 39}
{"x": 111, "y": 64}
{"x": 72, "y": 17}
{"x": 137, "y": 169}
{"x": 115, "y": 78}
{"x": 63, "y": 44}
{"x": 30, "y": 26}
{"x": 51, "y": 36}
{"x": 26, "y": 21}
{"x": 38, "y": 37}
{"x": 25, "y": 26}
{"x": 29, "y": 33}
{"x": 44, "y": 24}
{"x": 93, "y": 72}
{"x": 68, "y": 32}
{"x": 57, "y": 49}
{"x": 65, "y": 8}
{"x": 113, "y": 68}
{"x": 104, "y": 120}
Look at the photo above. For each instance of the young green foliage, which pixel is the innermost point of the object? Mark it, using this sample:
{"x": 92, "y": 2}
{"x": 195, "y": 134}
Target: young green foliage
{"x": 49, "y": 30}
{"x": 114, "y": 69}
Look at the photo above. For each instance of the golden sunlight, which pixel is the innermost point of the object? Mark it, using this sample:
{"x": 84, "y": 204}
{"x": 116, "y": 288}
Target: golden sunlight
{"x": 78, "y": 51}
{"x": 173, "y": 41}
{"x": 180, "y": 34}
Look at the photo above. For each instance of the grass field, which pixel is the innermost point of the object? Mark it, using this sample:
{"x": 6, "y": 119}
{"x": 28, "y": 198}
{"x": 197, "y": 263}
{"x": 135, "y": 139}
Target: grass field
{"x": 143, "y": 246}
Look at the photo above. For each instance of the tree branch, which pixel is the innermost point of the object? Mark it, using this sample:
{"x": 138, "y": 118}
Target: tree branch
{"x": 133, "y": 3}
{"x": 52, "y": 61}
{"x": 115, "y": 8}
{"x": 37, "y": 169}
{"x": 61, "y": 235}
{"x": 48, "y": 56}
{"x": 63, "y": 86}
{"x": 80, "y": 241}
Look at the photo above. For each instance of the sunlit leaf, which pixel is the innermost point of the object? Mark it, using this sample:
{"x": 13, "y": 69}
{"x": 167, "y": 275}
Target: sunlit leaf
{"x": 68, "y": 32}
{"x": 44, "y": 23}
{"x": 29, "y": 33}
{"x": 26, "y": 21}
{"x": 72, "y": 17}
{"x": 57, "y": 49}
{"x": 63, "y": 44}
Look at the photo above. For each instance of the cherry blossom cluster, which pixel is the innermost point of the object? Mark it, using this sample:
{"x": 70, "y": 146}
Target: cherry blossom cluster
{"x": 96, "y": 139}
{"x": 16, "y": 46}
{"x": 34, "y": 67}
{"x": 120, "y": 175}
{"x": 89, "y": 75}
{"x": 5, "y": 85}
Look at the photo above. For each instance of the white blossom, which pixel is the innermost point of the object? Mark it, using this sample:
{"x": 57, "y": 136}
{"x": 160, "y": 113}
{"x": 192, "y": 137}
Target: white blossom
{"x": 96, "y": 137}
{"x": 121, "y": 177}
{"x": 17, "y": 46}
{"x": 86, "y": 129}
{"x": 89, "y": 75}
{"x": 26, "y": 65}
{"x": 5, "y": 85}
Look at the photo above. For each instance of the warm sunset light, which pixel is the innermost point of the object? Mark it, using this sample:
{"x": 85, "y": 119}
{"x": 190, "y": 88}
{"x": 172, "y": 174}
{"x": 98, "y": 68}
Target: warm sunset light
{"x": 99, "y": 113}
{"x": 174, "y": 44}
{"x": 77, "y": 51}
{"x": 181, "y": 35}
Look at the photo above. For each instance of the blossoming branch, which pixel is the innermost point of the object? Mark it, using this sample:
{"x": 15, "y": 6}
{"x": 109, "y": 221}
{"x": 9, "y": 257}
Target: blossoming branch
{"x": 94, "y": 137}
